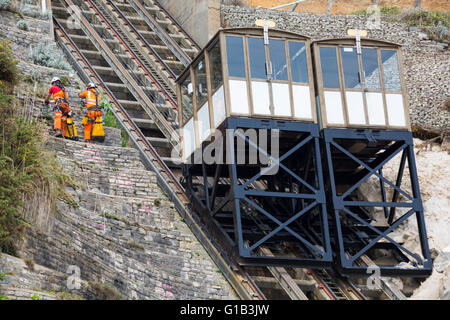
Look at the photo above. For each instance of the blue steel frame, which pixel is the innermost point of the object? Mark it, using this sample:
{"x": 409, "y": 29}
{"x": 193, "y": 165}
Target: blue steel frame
{"x": 240, "y": 196}
{"x": 399, "y": 141}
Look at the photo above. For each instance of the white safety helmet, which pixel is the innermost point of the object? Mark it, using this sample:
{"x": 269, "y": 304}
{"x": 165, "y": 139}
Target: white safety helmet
{"x": 91, "y": 85}
{"x": 55, "y": 79}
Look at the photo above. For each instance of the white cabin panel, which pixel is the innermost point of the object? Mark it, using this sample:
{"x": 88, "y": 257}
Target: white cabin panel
{"x": 261, "y": 99}
{"x": 219, "y": 110}
{"x": 375, "y": 109}
{"x": 203, "y": 123}
{"x": 333, "y": 107}
{"x": 281, "y": 100}
{"x": 239, "y": 97}
{"x": 395, "y": 109}
{"x": 302, "y": 102}
{"x": 188, "y": 138}
{"x": 355, "y": 108}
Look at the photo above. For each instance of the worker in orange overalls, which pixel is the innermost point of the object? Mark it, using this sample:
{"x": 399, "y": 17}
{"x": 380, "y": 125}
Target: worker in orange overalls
{"x": 61, "y": 100}
{"x": 93, "y": 119}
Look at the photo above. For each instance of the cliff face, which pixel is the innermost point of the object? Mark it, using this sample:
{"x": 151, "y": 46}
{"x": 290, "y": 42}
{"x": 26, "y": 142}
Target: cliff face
{"x": 121, "y": 230}
{"x": 119, "y": 237}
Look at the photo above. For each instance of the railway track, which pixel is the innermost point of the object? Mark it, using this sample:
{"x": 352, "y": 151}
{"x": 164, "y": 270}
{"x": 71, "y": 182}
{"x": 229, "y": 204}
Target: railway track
{"x": 138, "y": 84}
{"x": 154, "y": 62}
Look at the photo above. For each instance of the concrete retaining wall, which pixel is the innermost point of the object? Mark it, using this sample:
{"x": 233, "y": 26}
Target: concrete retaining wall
{"x": 200, "y": 18}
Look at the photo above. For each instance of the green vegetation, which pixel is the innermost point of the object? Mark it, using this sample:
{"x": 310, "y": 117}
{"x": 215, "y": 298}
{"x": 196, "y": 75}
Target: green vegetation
{"x": 157, "y": 202}
{"x": 30, "y": 263}
{"x": 25, "y": 166}
{"x": 64, "y": 80}
{"x": 105, "y": 291}
{"x": 2, "y": 276}
{"x": 5, "y": 4}
{"x": 134, "y": 244}
{"x": 383, "y": 10}
{"x": 23, "y": 25}
{"x": 4, "y": 298}
{"x": 435, "y": 24}
{"x": 48, "y": 55}
{"x": 36, "y": 297}
{"x": 111, "y": 121}
{"x": 34, "y": 12}
{"x": 8, "y": 69}
{"x": 65, "y": 295}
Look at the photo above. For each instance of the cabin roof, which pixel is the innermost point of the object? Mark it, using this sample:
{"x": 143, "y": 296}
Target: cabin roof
{"x": 243, "y": 31}
{"x": 352, "y": 40}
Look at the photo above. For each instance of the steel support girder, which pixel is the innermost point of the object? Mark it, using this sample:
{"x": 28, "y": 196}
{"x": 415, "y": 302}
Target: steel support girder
{"x": 402, "y": 142}
{"x": 242, "y": 196}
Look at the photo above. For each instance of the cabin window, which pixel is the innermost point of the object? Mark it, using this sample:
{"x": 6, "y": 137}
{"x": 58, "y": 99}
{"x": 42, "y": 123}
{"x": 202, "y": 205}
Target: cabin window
{"x": 391, "y": 70}
{"x": 330, "y": 71}
{"x": 201, "y": 83}
{"x": 235, "y": 57}
{"x": 257, "y": 54}
{"x": 351, "y": 68}
{"x": 299, "y": 67}
{"x": 371, "y": 69}
{"x": 277, "y": 50}
{"x": 186, "y": 98}
{"x": 215, "y": 63}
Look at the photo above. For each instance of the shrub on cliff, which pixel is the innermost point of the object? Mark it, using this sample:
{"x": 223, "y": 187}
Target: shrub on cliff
{"x": 5, "y": 4}
{"x": 25, "y": 167}
{"x": 34, "y": 12}
{"x": 48, "y": 56}
{"x": 23, "y": 25}
{"x": 111, "y": 121}
{"x": 8, "y": 67}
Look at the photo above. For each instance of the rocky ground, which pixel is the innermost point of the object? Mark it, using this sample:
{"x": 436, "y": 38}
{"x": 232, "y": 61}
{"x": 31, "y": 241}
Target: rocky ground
{"x": 433, "y": 165}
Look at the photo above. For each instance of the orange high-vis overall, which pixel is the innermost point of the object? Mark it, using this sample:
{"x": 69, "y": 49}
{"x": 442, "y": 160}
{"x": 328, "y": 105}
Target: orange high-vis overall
{"x": 61, "y": 101}
{"x": 91, "y": 102}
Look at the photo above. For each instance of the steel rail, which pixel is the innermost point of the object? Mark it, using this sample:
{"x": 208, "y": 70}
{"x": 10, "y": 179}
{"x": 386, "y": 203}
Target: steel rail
{"x": 163, "y": 34}
{"x": 141, "y": 37}
{"x": 119, "y": 106}
{"x": 155, "y": 81}
{"x": 167, "y": 181}
{"x": 126, "y": 76}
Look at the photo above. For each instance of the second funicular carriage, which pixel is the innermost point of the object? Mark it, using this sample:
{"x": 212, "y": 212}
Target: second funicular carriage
{"x": 264, "y": 114}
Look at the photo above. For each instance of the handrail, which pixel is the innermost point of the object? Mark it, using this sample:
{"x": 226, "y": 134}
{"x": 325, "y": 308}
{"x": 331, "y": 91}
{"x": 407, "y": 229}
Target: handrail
{"x": 129, "y": 81}
{"x": 122, "y": 109}
{"x": 140, "y": 62}
{"x": 164, "y": 36}
{"x": 181, "y": 204}
{"x": 142, "y": 38}
{"x": 174, "y": 21}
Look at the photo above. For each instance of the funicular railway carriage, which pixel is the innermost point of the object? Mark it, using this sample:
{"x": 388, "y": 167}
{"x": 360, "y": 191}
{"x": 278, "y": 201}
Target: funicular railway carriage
{"x": 264, "y": 114}
{"x": 264, "y": 189}
{"x": 365, "y": 125}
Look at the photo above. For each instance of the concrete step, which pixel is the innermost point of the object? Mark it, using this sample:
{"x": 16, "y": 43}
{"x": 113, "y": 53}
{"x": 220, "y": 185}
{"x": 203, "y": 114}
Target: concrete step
{"x": 159, "y": 142}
